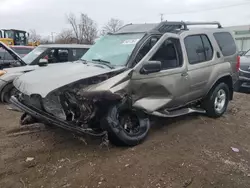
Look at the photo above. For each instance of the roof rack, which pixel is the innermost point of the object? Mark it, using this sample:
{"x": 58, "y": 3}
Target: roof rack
{"x": 163, "y": 27}
{"x": 167, "y": 26}
{"x": 202, "y": 23}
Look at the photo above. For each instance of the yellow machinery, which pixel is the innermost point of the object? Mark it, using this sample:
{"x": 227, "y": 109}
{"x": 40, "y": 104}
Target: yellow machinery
{"x": 16, "y": 37}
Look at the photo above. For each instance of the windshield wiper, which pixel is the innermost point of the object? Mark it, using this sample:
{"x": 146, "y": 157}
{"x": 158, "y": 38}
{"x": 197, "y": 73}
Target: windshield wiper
{"x": 103, "y": 62}
{"x": 82, "y": 60}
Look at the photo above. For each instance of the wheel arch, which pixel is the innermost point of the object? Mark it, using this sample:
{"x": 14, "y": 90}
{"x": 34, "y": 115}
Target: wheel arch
{"x": 227, "y": 79}
{"x": 5, "y": 89}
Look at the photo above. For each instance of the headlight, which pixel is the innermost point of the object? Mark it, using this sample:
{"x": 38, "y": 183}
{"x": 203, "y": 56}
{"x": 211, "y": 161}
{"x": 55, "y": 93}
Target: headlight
{"x": 2, "y": 72}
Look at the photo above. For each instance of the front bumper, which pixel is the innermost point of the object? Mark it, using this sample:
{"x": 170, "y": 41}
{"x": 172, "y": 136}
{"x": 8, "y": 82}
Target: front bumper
{"x": 244, "y": 82}
{"x": 244, "y": 79}
{"x": 46, "y": 118}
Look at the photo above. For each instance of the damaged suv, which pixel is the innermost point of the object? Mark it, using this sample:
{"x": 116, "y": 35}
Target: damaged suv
{"x": 165, "y": 69}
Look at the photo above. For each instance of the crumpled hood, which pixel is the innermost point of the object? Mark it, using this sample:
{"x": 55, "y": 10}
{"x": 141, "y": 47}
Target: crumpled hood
{"x": 43, "y": 81}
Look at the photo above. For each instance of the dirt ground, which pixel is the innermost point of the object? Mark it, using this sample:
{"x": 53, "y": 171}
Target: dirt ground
{"x": 191, "y": 151}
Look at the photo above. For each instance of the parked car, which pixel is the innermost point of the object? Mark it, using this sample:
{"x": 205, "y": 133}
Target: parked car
{"x": 22, "y": 50}
{"x": 241, "y": 53}
{"x": 244, "y": 78}
{"x": 166, "y": 70}
{"x": 38, "y": 58}
{"x": 9, "y": 58}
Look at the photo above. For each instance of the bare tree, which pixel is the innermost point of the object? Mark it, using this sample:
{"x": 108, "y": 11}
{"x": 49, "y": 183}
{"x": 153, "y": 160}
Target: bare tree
{"x": 85, "y": 31}
{"x": 65, "y": 37}
{"x": 75, "y": 26}
{"x": 33, "y": 36}
{"x": 45, "y": 40}
{"x": 112, "y": 26}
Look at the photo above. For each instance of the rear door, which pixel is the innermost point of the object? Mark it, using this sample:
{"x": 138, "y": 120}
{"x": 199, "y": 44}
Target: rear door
{"x": 201, "y": 58}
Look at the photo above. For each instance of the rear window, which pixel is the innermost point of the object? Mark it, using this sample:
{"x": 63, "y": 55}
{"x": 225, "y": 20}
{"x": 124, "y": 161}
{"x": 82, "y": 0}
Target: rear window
{"x": 226, "y": 43}
{"x": 4, "y": 55}
{"x": 22, "y": 50}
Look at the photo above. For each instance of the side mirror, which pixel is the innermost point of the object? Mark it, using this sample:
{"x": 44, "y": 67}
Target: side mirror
{"x": 43, "y": 62}
{"x": 151, "y": 67}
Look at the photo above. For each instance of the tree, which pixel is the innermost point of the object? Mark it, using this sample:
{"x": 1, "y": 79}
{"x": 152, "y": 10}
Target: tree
{"x": 85, "y": 31}
{"x": 65, "y": 37}
{"x": 45, "y": 40}
{"x": 112, "y": 26}
{"x": 33, "y": 36}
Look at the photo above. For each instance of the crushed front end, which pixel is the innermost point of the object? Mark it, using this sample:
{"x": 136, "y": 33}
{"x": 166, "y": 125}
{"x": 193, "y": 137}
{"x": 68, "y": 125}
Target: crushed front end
{"x": 77, "y": 107}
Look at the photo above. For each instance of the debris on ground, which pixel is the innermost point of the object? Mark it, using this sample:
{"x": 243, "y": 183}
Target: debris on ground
{"x": 28, "y": 159}
{"x": 235, "y": 149}
{"x": 55, "y": 158}
{"x": 188, "y": 182}
{"x": 21, "y": 180}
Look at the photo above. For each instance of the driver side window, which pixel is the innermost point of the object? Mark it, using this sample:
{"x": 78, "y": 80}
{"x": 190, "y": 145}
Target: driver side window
{"x": 169, "y": 54}
{"x": 145, "y": 49}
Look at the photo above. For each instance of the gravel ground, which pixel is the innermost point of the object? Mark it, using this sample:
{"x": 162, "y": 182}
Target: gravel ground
{"x": 190, "y": 151}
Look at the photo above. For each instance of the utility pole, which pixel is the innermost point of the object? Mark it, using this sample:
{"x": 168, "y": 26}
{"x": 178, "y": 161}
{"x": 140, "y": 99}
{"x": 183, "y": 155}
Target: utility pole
{"x": 52, "y": 37}
{"x": 162, "y": 17}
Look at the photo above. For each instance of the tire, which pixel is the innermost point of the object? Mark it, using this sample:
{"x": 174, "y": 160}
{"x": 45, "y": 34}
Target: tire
{"x": 7, "y": 92}
{"x": 119, "y": 132}
{"x": 217, "y": 101}
{"x": 27, "y": 119}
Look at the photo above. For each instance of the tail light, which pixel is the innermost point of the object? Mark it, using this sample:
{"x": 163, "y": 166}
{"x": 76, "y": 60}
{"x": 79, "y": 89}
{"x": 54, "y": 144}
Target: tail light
{"x": 46, "y": 57}
{"x": 238, "y": 64}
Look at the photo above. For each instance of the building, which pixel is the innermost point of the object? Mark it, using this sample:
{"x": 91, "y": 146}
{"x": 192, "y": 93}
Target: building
{"x": 242, "y": 36}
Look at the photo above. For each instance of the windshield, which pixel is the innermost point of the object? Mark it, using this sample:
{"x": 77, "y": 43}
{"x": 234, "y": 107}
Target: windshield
{"x": 30, "y": 57}
{"x": 115, "y": 49}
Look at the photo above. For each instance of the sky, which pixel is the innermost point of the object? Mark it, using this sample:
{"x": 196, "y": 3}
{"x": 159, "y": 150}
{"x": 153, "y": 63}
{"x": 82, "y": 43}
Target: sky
{"x": 46, "y": 16}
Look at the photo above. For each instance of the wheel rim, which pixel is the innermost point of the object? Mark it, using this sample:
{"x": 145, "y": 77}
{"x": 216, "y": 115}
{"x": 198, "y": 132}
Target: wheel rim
{"x": 129, "y": 122}
{"x": 220, "y": 101}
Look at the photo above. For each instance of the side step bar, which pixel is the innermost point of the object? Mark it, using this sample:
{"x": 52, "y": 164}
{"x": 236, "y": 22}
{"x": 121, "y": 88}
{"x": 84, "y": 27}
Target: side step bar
{"x": 179, "y": 112}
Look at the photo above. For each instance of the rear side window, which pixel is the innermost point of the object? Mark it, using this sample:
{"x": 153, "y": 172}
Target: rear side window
{"x": 226, "y": 43}
{"x": 198, "y": 49}
{"x": 78, "y": 53}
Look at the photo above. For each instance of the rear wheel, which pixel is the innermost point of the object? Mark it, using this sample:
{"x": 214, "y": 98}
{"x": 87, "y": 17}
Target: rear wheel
{"x": 125, "y": 127}
{"x": 217, "y": 101}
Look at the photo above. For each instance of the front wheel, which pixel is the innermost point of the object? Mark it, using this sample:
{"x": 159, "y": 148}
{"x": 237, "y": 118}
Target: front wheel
{"x": 8, "y": 91}
{"x": 217, "y": 101}
{"x": 125, "y": 127}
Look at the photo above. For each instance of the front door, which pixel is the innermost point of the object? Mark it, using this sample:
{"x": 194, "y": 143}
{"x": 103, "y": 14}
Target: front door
{"x": 166, "y": 88}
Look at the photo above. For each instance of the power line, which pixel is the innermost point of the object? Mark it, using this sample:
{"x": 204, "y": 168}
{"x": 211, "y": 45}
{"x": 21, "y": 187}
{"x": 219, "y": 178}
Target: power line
{"x": 215, "y": 8}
